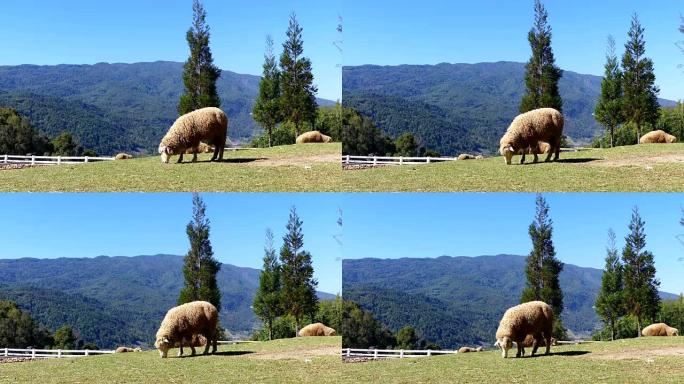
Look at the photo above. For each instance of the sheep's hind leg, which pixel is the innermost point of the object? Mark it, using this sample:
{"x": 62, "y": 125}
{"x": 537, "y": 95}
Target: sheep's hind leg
{"x": 180, "y": 159}
{"x": 522, "y": 159}
{"x": 194, "y": 157}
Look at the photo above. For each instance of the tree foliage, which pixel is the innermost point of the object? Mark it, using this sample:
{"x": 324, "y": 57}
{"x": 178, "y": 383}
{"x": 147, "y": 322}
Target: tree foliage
{"x": 361, "y": 330}
{"x": 267, "y": 108}
{"x": 608, "y": 110}
{"x": 19, "y": 330}
{"x": 268, "y": 302}
{"x": 65, "y": 338}
{"x": 406, "y": 145}
{"x": 610, "y": 301}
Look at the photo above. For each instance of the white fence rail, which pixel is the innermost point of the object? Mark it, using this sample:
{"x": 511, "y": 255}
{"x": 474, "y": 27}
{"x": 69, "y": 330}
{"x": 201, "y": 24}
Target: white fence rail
{"x": 392, "y": 353}
{"x": 393, "y": 160}
{"x": 49, "y": 353}
{"x": 37, "y": 160}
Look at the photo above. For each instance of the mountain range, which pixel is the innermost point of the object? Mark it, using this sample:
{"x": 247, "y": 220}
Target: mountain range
{"x": 453, "y": 108}
{"x": 120, "y": 300}
{"x": 455, "y": 301}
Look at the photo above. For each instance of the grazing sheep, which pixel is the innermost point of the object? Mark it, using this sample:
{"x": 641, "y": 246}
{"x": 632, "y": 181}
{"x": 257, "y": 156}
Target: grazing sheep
{"x": 185, "y": 321}
{"x": 657, "y": 137}
{"x": 123, "y": 156}
{"x": 528, "y": 129}
{"x": 531, "y": 318}
{"x": 126, "y": 349}
{"x": 317, "y": 329}
{"x": 201, "y": 148}
{"x": 209, "y": 125}
{"x": 469, "y": 349}
{"x": 659, "y": 329}
{"x": 313, "y": 137}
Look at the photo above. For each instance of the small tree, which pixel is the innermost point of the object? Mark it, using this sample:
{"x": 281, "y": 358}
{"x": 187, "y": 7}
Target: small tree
{"x": 608, "y": 110}
{"x": 609, "y": 303}
{"x": 406, "y": 338}
{"x": 65, "y": 338}
{"x": 268, "y": 303}
{"x": 267, "y": 111}
{"x": 406, "y": 145}
{"x": 65, "y": 145}
{"x": 19, "y": 330}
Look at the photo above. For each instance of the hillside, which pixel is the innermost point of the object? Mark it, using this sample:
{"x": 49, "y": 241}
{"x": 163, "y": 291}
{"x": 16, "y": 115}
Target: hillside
{"x": 119, "y": 300}
{"x": 118, "y": 107}
{"x": 460, "y": 300}
{"x": 455, "y": 108}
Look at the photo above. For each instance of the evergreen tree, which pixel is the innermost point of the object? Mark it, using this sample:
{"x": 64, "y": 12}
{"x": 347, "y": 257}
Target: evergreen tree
{"x": 640, "y": 102}
{"x": 200, "y": 267}
{"x": 542, "y": 267}
{"x": 298, "y": 97}
{"x": 299, "y": 286}
{"x": 266, "y": 109}
{"x": 199, "y": 73}
{"x": 542, "y": 74}
{"x": 608, "y": 110}
{"x": 641, "y": 286}
{"x": 268, "y": 299}
{"x": 609, "y": 303}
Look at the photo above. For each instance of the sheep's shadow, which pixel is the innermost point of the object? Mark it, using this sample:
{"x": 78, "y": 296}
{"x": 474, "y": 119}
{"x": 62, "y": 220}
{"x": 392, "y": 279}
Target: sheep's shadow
{"x": 228, "y": 161}
{"x": 563, "y": 353}
{"x": 564, "y": 161}
{"x": 223, "y": 353}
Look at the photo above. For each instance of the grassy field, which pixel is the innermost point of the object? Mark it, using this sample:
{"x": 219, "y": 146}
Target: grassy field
{"x": 314, "y": 360}
{"x": 286, "y": 168}
{"x": 655, "y": 168}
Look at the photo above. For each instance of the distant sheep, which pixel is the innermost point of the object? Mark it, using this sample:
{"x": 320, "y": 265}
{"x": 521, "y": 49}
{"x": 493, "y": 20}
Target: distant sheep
{"x": 185, "y": 321}
{"x": 201, "y": 148}
{"x": 539, "y": 149}
{"x": 469, "y": 349}
{"x": 465, "y": 156}
{"x": 659, "y": 329}
{"x": 529, "y": 341}
{"x": 195, "y": 341}
{"x": 657, "y": 137}
{"x": 123, "y": 156}
{"x": 528, "y": 129}
{"x": 317, "y": 329}
{"x": 531, "y": 318}
{"x": 313, "y": 137}
{"x": 208, "y": 125}
{"x": 126, "y": 349}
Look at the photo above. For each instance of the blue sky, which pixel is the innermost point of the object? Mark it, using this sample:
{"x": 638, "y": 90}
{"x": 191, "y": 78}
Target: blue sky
{"x": 391, "y": 32}
{"x": 87, "y": 32}
{"x": 475, "y": 224}
{"x": 120, "y": 224}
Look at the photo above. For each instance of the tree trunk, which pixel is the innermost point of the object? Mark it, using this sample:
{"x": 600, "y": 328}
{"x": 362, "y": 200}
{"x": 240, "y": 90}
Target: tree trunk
{"x": 270, "y": 133}
{"x": 638, "y": 327}
{"x": 638, "y": 133}
{"x": 612, "y": 137}
{"x": 270, "y": 329}
{"x": 612, "y": 330}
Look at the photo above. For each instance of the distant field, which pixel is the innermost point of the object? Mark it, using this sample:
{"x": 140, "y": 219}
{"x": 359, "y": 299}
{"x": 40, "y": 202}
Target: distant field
{"x": 654, "y": 167}
{"x": 316, "y": 360}
{"x": 314, "y": 167}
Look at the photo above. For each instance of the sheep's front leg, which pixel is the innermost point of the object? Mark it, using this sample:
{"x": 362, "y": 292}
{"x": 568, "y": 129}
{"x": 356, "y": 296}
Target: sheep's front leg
{"x": 180, "y": 158}
{"x": 522, "y": 159}
{"x": 194, "y": 157}
{"x": 180, "y": 350}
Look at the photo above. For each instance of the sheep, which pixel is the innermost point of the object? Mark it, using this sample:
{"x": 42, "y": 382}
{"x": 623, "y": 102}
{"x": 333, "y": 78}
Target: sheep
{"x": 201, "y": 148}
{"x": 659, "y": 329}
{"x": 126, "y": 349}
{"x": 528, "y": 129}
{"x": 316, "y": 329}
{"x": 529, "y": 341}
{"x": 465, "y": 156}
{"x": 123, "y": 156}
{"x": 313, "y": 137}
{"x": 195, "y": 341}
{"x": 539, "y": 148}
{"x": 657, "y": 137}
{"x": 185, "y": 321}
{"x": 207, "y": 124}
{"x": 469, "y": 349}
{"x": 534, "y": 317}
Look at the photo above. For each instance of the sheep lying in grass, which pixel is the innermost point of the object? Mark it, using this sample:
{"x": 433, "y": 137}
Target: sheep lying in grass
{"x": 313, "y": 137}
{"x": 531, "y": 318}
{"x": 657, "y": 137}
{"x": 184, "y": 322}
{"x": 208, "y": 125}
{"x": 316, "y": 329}
{"x": 528, "y": 129}
{"x": 659, "y": 329}
{"x": 126, "y": 349}
{"x": 123, "y": 156}
{"x": 469, "y": 349}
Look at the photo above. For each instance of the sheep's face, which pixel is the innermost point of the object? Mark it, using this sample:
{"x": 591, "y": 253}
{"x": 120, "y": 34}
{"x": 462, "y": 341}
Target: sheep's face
{"x": 165, "y": 153}
{"x": 163, "y": 345}
{"x": 671, "y": 139}
{"x": 327, "y": 139}
{"x": 507, "y": 151}
{"x": 504, "y": 344}
{"x": 330, "y": 332}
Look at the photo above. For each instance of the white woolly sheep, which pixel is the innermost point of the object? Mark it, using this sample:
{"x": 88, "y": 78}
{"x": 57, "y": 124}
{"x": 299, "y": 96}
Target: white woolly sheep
{"x": 465, "y": 156}
{"x": 317, "y": 329}
{"x": 208, "y": 125}
{"x": 313, "y": 137}
{"x": 657, "y": 137}
{"x": 531, "y": 318}
{"x": 469, "y": 349}
{"x": 126, "y": 349}
{"x": 659, "y": 329}
{"x": 183, "y": 322}
{"x": 528, "y": 129}
{"x": 123, "y": 156}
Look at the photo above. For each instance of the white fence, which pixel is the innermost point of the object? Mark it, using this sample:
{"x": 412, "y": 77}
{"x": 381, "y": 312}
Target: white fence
{"x": 392, "y": 353}
{"x": 393, "y": 160}
{"x": 49, "y": 353}
{"x": 37, "y": 160}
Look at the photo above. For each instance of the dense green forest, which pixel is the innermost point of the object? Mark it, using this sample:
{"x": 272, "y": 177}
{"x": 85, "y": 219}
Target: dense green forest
{"x": 454, "y": 301}
{"x": 453, "y": 108}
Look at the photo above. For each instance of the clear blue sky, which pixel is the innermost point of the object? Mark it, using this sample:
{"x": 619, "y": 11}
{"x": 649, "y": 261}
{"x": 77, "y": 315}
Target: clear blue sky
{"x": 475, "y": 224}
{"x": 120, "y": 224}
{"x": 88, "y": 32}
{"x": 391, "y": 32}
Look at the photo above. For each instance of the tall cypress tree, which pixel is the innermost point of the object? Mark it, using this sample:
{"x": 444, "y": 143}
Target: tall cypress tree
{"x": 640, "y": 102}
{"x": 543, "y": 269}
{"x": 641, "y": 286}
{"x": 267, "y": 111}
{"x": 609, "y": 302}
{"x": 298, "y": 98}
{"x": 299, "y": 286}
{"x": 200, "y": 266}
{"x": 199, "y": 73}
{"x": 542, "y": 74}
{"x": 268, "y": 303}
{"x": 608, "y": 110}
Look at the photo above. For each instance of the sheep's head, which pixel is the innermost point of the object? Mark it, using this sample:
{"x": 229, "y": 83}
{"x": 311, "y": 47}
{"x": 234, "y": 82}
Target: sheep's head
{"x": 165, "y": 152}
{"x": 507, "y": 151}
{"x": 326, "y": 139}
{"x": 671, "y": 139}
{"x": 330, "y": 332}
{"x": 504, "y": 344}
{"x": 163, "y": 344}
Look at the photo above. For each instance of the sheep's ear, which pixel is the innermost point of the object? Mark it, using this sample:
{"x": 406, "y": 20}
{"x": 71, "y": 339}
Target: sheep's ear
{"x": 166, "y": 340}
{"x": 510, "y": 148}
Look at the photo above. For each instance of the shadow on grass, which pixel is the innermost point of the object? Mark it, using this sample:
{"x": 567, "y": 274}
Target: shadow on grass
{"x": 234, "y": 161}
{"x": 564, "y": 161}
{"x": 564, "y": 353}
{"x": 224, "y": 353}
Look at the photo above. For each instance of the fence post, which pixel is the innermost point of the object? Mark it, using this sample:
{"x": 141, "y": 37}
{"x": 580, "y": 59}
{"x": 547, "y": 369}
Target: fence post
{"x": 428, "y": 160}
{"x": 5, "y": 158}
{"x": 86, "y": 160}
{"x": 429, "y": 352}
{"x": 401, "y": 354}
{"x": 6, "y": 349}
{"x": 33, "y": 353}
{"x": 86, "y": 351}
{"x": 59, "y": 353}
{"x": 401, "y": 160}
{"x": 375, "y": 160}
{"x": 375, "y": 354}
{"x": 33, "y": 159}
{"x": 59, "y": 160}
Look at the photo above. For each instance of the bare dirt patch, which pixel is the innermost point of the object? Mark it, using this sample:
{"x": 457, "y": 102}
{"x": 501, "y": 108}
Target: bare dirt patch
{"x": 639, "y": 354}
{"x": 299, "y": 160}
{"x": 302, "y": 354}
{"x": 642, "y": 161}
